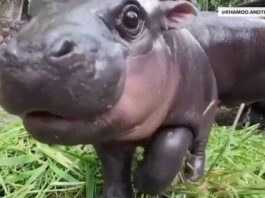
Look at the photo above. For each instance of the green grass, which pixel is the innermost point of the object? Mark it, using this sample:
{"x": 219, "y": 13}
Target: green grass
{"x": 236, "y": 160}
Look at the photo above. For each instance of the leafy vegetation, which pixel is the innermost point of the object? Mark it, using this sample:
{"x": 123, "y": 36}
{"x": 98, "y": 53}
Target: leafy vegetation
{"x": 235, "y": 167}
{"x": 212, "y": 5}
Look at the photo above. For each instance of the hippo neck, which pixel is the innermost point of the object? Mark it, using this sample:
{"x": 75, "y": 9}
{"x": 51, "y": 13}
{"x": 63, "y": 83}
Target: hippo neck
{"x": 233, "y": 47}
{"x": 197, "y": 87}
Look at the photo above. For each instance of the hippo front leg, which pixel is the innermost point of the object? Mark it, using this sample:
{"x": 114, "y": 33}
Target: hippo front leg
{"x": 116, "y": 159}
{"x": 163, "y": 160}
{"x": 195, "y": 163}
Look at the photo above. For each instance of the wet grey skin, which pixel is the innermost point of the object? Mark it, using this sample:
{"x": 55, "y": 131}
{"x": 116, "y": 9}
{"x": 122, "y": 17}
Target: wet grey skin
{"x": 124, "y": 73}
{"x": 114, "y": 74}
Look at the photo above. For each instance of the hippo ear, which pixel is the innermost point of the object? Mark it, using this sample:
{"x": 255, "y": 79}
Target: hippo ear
{"x": 177, "y": 13}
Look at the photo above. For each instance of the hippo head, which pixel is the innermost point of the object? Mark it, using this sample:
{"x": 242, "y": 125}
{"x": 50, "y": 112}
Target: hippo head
{"x": 90, "y": 71}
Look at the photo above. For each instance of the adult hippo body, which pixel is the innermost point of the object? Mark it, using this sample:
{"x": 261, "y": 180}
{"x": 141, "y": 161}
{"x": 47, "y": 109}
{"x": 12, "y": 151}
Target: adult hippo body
{"x": 115, "y": 74}
{"x": 240, "y": 74}
{"x": 234, "y": 48}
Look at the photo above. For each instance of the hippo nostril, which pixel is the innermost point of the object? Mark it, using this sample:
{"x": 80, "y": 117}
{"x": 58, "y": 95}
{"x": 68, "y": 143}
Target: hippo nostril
{"x": 66, "y": 48}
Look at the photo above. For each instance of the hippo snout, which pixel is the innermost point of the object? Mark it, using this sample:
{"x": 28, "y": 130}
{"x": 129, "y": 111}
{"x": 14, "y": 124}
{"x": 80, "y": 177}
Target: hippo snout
{"x": 68, "y": 53}
{"x": 67, "y": 78}
{"x": 62, "y": 71}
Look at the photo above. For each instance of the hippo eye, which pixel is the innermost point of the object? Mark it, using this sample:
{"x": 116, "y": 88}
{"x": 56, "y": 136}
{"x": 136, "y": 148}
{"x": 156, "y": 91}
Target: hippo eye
{"x": 130, "y": 22}
{"x": 131, "y": 19}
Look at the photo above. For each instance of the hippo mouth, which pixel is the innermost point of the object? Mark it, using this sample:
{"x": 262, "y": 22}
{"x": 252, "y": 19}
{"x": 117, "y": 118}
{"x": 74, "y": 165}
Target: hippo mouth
{"x": 50, "y": 128}
{"x": 46, "y": 116}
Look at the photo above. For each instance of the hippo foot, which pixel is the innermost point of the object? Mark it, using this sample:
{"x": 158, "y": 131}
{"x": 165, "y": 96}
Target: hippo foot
{"x": 194, "y": 168}
{"x": 148, "y": 184}
{"x": 256, "y": 115}
{"x": 117, "y": 190}
{"x": 164, "y": 156}
{"x": 195, "y": 161}
{"x": 116, "y": 159}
